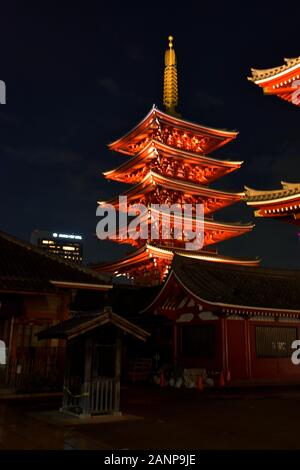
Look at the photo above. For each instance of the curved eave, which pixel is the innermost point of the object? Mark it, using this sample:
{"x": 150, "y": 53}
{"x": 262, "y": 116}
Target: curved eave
{"x": 273, "y": 201}
{"x": 135, "y": 130}
{"x": 190, "y": 187}
{"x": 196, "y": 156}
{"x": 208, "y": 226}
{"x": 233, "y": 227}
{"x": 217, "y": 225}
{"x": 226, "y": 305}
{"x": 265, "y": 76}
{"x": 204, "y": 256}
{"x": 175, "y": 121}
{"x": 147, "y": 153}
{"x": 173, "y": 276}
{"x": 222, "y": 259}
{"x": 152, "y": 178}
{"x": 149, "y": 251}
{"x": 81, "y": 285}
{"x": 283, "y": 91}
{"x": 196, "y": 127}
{"x": 133, "y": 258}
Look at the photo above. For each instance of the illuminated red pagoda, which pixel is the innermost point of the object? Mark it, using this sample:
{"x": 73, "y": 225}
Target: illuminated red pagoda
{"x": 282, "y": 81}
{"x": 168, "y": 163}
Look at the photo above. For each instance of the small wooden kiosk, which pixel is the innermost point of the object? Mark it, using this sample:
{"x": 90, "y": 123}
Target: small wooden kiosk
{"x": 93, "y": 360}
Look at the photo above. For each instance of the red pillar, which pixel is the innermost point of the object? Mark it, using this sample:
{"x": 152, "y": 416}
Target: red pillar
{"x": 248, "y": 348}
{"x": 225, "y": 366}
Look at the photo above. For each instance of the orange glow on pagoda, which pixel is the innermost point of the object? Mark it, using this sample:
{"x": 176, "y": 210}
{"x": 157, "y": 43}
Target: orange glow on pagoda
{"x": 174, "y": 132}
{"x": 168, "y": 162}
{"x": 282, "y": 81}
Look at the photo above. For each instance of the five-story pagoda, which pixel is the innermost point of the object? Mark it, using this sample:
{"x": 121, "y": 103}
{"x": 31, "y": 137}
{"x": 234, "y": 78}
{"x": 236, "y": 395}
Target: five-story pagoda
{"x": 168, "y": 162}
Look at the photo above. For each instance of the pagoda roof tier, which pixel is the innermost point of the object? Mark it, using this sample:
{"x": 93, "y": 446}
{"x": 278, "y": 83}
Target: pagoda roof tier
{"x": 208, "y": 138}
{"x": 279, "y": 80}
{"x": 212, "y": 199}
{"x": 133, "y": 170}
{"x": 149, "y": 256}
{"x": 283, "y": 203}
{"x": 214, "y": 231}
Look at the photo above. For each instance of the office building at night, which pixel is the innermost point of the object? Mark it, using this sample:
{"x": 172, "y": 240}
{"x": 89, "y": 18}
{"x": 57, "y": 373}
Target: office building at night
{"x": 67, "y": 246}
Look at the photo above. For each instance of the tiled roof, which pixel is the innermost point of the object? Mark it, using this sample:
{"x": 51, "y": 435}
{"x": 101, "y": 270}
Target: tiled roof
{"x": 288, "y": 189}
{"x": 27, "y": 268}
{"x": 259, "y": 74}
{"x": 156, "y": 113}
{"x": 239, "y": 285}
{"x": 83, "y": 323}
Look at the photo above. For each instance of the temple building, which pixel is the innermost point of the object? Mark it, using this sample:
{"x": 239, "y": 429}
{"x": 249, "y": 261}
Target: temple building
{"x": 234, "y": 319}
{"x": 282, "y": 81}
{"x": 216, "y": 317}
{"x": 282, "y": 204}
{"x": 168, "y": 162}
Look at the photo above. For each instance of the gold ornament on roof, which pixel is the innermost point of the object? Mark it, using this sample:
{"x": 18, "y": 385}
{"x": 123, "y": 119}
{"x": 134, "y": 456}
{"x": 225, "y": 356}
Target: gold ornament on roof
{"x": 170, "y": 80}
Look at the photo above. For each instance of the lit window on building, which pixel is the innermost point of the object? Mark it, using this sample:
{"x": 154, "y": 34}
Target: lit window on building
{"x": 68, "y": 248}
{"x": 60, "y": 244}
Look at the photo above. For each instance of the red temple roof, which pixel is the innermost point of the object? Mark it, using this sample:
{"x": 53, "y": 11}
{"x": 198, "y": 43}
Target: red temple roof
{"x": 130, "y": 143}
{"x": 280, "y": 81}
{"x": 228, "y": 288}
{"x": 267, "y": 75}
{"x": 149, "y": 255}
{"x": 131, "y": 171}
{"x": 216, "y": 199}
{"x": 283, "y": 203}
{"x": 214, "y": 231}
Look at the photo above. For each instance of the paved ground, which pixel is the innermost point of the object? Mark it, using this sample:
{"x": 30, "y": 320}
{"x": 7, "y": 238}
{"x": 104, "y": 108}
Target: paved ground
{"x": 182, "y": 419}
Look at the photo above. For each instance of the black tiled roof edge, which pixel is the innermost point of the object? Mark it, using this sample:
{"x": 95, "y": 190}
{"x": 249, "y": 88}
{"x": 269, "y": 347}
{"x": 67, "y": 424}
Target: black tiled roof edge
{"x": 20, "y": 280}
{"x": 239, "y": 285}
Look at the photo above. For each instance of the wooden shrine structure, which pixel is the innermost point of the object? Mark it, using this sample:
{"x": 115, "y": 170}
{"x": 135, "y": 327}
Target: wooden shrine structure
{"x": 93, "y": 360}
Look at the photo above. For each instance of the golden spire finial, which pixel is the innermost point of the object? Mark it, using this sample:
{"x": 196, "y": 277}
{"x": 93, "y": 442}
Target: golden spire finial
{"x": 170, "y": 79}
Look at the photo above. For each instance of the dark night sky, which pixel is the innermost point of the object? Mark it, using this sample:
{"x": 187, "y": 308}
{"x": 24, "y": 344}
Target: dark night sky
{"x": 79, "y": 77}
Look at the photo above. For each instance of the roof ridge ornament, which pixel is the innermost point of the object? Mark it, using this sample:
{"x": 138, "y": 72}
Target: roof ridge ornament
{"x": 170, "y": 80}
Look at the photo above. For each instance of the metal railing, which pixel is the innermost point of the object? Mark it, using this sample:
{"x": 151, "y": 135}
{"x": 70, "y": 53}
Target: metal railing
{"x": 89, "y": 398}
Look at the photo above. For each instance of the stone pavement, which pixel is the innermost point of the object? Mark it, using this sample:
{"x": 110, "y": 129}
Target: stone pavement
{"x": 169, "y": 419}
